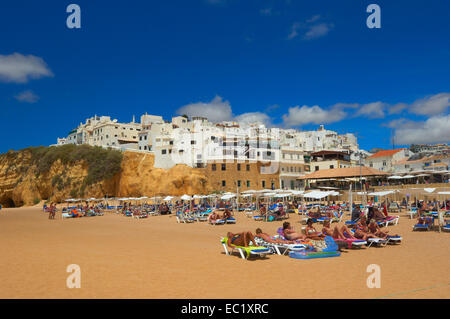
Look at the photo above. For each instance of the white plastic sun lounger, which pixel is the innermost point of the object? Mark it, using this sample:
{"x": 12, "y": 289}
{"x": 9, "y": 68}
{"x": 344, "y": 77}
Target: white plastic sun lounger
{"x": 245, "y": 252}
{"x": 278, "y": 248}
{"x": 394, "y": 240}
{"x": 376, "y": 242}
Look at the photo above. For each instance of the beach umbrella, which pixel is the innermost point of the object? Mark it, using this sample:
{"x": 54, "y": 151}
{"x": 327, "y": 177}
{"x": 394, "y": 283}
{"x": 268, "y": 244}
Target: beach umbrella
{"x": 186, "y": 197}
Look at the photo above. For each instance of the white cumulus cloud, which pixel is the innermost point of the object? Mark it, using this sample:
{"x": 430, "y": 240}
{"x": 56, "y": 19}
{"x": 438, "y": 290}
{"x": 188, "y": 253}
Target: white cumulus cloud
{"x": 436, "y": 129}
{"x": 27, "y": 96}
{"x": 431, "y": 105}
{"x": 253, "y": 117}
{"x": 216, "y": 110}
{"x": 19, "y": 68}
{"x": 305, "y": 114}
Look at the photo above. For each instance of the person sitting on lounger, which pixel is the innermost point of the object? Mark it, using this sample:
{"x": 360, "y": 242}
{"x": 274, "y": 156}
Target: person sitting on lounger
{"x": 267, "y": 238}
{"x": 375, "y": 229}
{"x": 337, "y": 232}
{"x": 311, "y": 232}
{"x": 361, "y": 231}
{"x": 213, "y": 218}
{"x": 290, "y": 234}
{"x": 240, "y": 239}
{"x": 226, "y": 214}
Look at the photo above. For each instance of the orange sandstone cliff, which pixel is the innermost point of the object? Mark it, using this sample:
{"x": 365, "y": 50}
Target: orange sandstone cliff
{"x": 20, "y": 185}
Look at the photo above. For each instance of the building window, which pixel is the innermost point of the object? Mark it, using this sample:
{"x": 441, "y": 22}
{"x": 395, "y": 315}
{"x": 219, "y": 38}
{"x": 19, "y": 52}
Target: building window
{"x": 239, "y": 183}
{"x": 384, "y": 163}
{"x": 224, "y": 167}
{"x": 263, "y": 184}
{"x": 238, "y": 167}
{"x": 192, "y": 142}
{"x": 317, "y": 168}
{"x": 163, "y": 152}
{"x": 248, "y": 183}
{"x": 248, "y": 167}
{"x": 223, "y": 183}
{"x": 213, "y": 167}
{"x": 331, "y": 166}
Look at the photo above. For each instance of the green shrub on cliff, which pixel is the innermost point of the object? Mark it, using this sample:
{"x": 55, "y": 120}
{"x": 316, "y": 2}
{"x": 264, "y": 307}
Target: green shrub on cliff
{"x": 102, "y": 163}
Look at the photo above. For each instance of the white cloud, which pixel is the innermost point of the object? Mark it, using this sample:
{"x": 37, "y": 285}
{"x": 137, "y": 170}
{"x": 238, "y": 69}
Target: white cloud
{"x": 216, "y": 111}
{"x": 312, "y": 28}
{"x": 294, "y": 30}
{"x": 434, "y": 130}
{"x": 19, "y": 68}
{"x": 372, "y": 110}
{"x": 397, "y": 108}
{"x": 431, "y": 105}
{"x": 298, "y": 116}
{"x": 318, "y": 30}
{"x": 253, "y": 117}
{"x": 27, "y": 96}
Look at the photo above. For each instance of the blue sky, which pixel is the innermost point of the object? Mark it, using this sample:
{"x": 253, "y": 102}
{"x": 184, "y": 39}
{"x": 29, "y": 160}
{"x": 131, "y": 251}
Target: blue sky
{"x": 289, "y": 63}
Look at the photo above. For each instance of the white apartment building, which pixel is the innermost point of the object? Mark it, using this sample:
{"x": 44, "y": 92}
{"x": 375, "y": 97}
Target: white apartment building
{"x": 102, "y": 131}
{"x": 198, "y": 143}
{"x": 384, "y": 160}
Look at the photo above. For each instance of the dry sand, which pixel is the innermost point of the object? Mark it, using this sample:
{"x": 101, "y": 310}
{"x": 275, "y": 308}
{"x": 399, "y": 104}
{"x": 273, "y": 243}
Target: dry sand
{"x": 122, "y": 257}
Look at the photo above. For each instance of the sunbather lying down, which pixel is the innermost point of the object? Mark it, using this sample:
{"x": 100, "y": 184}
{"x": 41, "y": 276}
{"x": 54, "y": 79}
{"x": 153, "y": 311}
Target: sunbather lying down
{"x": 338, "y": 232}
{"x": 290, "y": 234}
{"x": 376, "y": 230}
{"x": 240, "y": 239}
{"x": 268, "y": 239}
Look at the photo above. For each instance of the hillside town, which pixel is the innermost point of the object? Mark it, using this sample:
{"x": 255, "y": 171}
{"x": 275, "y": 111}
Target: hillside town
{"x": 248, "y": 156}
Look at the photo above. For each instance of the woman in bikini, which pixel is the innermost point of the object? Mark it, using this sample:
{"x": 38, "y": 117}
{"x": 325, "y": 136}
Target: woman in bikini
{"x": 290, "y": 234}
{"x": 267, "y": 238}
{"x": 311, "y": 232}
{"x": 376, "y": 230}
{"x": 338, "y": 232}
{"x": 240, "y": 239}
{"x": 361, "y": 231}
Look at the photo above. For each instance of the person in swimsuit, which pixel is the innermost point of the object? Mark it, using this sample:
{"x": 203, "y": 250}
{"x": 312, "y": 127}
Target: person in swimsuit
{"x": 338, "y": 232}
{"x": 226, "y": 214}
{"x": 361, "y": 230}
{"x": 213, "y": 217}
{"x": 240, "y": 239}
{"x": 375, "y": 229}
{"x": 311, "y": 232}
{"x": 267, "y": 238}
{"x": 290, "y": 234}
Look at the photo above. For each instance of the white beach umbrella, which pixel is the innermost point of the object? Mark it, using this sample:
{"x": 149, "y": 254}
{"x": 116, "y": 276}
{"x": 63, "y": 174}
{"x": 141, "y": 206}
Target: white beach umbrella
{"x": 395, "y": 177}
{"x": 168, "y": 198}
{"x": 186, "y": 197}
{"x": 228, "y": 196}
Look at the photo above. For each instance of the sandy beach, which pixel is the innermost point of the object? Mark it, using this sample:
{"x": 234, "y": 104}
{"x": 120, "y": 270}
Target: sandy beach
{"x": 122, "y": 257}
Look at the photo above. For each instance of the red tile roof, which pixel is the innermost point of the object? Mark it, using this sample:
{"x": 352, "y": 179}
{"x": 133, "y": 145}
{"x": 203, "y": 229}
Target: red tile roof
{"x": 386, "y": 153}
{"x": 344, "y": 172}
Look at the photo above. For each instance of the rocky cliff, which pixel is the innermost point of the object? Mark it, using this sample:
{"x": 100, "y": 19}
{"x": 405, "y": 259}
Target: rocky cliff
{"x": 24, "y": 182}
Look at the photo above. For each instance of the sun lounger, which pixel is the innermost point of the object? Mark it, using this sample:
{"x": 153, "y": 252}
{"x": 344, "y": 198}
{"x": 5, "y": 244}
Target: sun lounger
{"x": 412, "y": 213}
{"x": 66, "y": 215}
{"x": 278, "y": 248}
{"x": 231, "y": 220}
{"x": 376, "y": 242}
{"x": 245, "y": 252}
{"x": 394, "y": 240}
{"x": 423, "y": 227}
{"x": 352, "y": 243}
{"x": 182, "y": 218}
